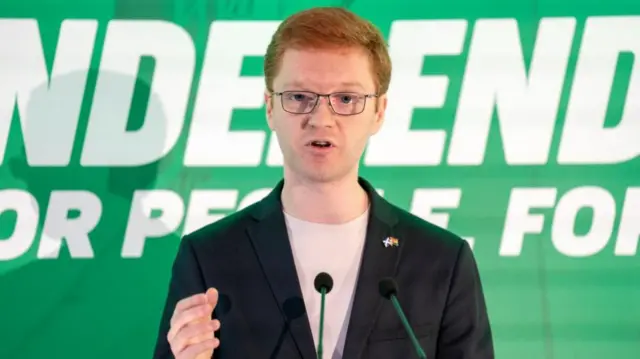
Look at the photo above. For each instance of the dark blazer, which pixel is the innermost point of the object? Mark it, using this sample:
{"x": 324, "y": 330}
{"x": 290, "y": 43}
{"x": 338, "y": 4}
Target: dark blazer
{"x": 247, "y": 257}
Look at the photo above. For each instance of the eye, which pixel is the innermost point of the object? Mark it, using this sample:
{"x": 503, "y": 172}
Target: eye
{"x": 346, "y": 98}
{"x": 298, "y": 97}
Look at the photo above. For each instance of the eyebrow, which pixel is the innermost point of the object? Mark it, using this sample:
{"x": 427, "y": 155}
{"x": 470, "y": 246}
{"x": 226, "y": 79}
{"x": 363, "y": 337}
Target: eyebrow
{"x": 300, "y": 85}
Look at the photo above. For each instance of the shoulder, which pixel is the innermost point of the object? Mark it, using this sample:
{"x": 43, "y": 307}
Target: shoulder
{"x": 426, "y": 237}
{"x": 429, "y": 248}
{"x": 224, "y": 231}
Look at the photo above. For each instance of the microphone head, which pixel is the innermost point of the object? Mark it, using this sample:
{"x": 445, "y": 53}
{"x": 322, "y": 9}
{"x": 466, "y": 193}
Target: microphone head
{"x": 388, "y": 287}
{"x": 323, "y": 280}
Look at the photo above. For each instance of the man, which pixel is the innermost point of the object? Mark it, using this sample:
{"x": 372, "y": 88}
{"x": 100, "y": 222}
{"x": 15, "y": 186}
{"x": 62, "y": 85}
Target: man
{"x": 243, "y": 287}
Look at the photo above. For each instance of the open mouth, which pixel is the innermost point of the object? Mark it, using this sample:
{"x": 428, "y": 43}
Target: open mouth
{"x": 320, "y": 144}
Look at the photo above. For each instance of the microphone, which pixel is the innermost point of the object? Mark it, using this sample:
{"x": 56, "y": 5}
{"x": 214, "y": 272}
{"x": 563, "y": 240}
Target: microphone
{"x": 389, "y": 289}
{"x": 323, "y": 284}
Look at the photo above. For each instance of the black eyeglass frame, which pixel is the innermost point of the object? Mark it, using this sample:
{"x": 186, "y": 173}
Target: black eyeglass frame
{"x": 328, "y": 96}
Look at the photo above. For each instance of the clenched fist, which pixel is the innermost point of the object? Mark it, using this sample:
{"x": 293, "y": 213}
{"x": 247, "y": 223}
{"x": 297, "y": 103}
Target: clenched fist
{"x": 191, "y": 334}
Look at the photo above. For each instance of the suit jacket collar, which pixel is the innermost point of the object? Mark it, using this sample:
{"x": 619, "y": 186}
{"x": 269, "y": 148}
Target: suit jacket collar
{"x": 271, "y": 242}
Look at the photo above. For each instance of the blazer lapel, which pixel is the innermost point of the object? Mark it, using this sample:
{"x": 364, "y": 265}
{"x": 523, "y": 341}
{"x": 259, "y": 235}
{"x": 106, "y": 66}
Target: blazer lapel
{"x": 271, "y": 242}
{"x": 377, "y": 262}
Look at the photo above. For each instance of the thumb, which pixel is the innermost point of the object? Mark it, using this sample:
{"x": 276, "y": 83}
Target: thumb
{"x": 212, "y": 297}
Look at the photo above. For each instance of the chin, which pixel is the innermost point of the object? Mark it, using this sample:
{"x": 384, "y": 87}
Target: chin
{"x": 324, "y": 175}
{"x": 321, "y": 172}
{"x": 321, "y": 178}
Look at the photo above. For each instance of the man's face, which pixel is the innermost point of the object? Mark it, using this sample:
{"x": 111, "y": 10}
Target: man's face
{"x": 303, "y": 136}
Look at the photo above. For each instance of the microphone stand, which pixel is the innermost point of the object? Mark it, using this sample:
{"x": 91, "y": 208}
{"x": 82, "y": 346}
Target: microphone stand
{"x": 323, "y": 292}
{"x": 407, "y": 327}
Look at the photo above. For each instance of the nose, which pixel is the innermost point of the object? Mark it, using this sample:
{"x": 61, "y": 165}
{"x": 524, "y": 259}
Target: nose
{"x": 322, "y": 115}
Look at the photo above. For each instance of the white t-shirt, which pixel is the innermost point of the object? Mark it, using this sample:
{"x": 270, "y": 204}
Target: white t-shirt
{"x": 337, "y": 250}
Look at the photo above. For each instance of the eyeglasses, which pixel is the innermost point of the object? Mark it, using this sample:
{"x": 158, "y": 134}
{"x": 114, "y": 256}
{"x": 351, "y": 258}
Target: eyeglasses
{"x": 342, "y": 103}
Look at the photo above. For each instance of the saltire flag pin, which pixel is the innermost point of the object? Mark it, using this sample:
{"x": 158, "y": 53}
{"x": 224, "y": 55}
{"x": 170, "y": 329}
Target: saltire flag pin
{"x": 391, "y": 242}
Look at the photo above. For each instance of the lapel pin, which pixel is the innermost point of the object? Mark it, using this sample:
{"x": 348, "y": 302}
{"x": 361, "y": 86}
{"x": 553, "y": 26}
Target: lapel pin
{"x": 390, "y": 242}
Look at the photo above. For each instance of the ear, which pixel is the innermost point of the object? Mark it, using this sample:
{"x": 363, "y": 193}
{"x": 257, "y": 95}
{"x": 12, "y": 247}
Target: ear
{"x": 381, "y": 107}
{"x": 268, "y": 100}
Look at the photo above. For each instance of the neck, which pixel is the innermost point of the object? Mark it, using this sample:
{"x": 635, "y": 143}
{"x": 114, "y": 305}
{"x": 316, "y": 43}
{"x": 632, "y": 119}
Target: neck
{"x": 332, "y": 202}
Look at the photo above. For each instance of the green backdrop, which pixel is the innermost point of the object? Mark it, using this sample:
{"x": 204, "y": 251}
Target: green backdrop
{"x": 514, "y": 123}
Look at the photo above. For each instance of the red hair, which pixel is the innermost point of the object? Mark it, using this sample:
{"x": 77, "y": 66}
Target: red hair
{"x": 329, "y": 28}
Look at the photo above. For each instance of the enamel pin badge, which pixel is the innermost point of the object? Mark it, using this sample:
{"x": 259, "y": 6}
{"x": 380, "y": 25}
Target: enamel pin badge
{"x": 391, "y": 242}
